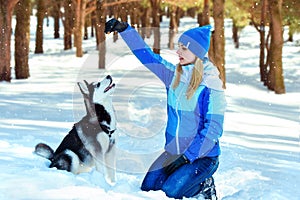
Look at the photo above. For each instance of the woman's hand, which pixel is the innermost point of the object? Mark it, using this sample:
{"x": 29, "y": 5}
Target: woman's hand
{"x": 115, "y": 25}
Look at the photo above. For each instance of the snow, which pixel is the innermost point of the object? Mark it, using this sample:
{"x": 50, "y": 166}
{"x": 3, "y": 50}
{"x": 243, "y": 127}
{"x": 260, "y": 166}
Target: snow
{"x": 260, "y": 145}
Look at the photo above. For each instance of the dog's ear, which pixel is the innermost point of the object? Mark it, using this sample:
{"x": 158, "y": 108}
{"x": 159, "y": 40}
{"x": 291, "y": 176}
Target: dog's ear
{"x": 83, "y": 87}
{"x": 86, "y": 83}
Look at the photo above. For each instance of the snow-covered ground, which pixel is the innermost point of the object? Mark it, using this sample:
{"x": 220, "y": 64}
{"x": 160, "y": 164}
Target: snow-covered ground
{"x": 260, "y": 145}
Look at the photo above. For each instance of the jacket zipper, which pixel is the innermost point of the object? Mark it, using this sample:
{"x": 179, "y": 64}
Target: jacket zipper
{"x": 178, "y": 123}
{"x": 178, "y": 119}
{"x": 177, "y": 131}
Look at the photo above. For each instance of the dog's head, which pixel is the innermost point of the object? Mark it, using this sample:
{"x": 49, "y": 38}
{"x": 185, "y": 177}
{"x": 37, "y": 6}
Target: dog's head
{"x": 98, "y": 101}
{"x": 97, "y": 92}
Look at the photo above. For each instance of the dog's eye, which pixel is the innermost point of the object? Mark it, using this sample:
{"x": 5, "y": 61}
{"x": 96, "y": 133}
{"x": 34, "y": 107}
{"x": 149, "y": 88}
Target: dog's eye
{"x": 98, "y": 84}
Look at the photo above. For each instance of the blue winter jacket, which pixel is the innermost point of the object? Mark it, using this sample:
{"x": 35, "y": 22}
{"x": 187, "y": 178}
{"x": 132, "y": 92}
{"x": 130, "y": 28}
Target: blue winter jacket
{"x": 194, "y": 125}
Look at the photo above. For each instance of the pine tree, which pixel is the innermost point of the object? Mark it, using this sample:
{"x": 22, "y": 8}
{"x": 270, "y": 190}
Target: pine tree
{"x": 79, "y": 23}
{"x": 218, "y": 44}
{"x": 22, "y": 39}
{"x": 41, "y": 10}
{"x": 6, "y": 11}
{"x": 275, "y": 75}
{"x": 155, "y": 4}
{"x": 68, "y": 23}
{"x": 100, "y": 24}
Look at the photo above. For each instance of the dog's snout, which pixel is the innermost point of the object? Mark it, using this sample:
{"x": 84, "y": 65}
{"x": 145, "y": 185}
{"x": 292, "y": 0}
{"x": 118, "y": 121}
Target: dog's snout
{"x": 98, "y": 85}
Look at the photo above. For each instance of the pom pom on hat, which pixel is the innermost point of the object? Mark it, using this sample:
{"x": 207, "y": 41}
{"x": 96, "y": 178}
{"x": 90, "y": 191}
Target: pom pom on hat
{"x": 197, "y": 40}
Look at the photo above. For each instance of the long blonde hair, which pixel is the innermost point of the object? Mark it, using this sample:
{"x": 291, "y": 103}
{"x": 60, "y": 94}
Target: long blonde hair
{"x": 195, "y": 80}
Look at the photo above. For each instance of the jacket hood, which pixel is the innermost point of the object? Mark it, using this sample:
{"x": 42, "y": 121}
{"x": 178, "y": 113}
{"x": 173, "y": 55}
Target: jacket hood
{"x": 211, "y": 77}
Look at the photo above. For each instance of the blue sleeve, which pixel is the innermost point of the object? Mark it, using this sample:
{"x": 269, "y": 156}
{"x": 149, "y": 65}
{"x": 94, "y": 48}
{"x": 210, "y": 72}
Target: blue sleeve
{"x": 210, "y": 129}
{"x": 154, "y": 62}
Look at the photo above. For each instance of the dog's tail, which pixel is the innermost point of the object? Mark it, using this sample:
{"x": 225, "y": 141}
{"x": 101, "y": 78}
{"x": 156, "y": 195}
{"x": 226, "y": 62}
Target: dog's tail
{"x": 44, "y": 150}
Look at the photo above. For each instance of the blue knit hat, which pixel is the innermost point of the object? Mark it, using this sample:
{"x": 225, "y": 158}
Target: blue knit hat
{"x": 197, "y": 40}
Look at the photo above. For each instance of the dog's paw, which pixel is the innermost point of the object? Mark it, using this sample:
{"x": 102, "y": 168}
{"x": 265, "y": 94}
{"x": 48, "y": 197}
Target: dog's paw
{"x": 111, "y": 181}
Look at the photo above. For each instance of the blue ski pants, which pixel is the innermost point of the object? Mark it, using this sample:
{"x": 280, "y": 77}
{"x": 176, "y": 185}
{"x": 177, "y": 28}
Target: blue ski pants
{"x": 184, "y": 182}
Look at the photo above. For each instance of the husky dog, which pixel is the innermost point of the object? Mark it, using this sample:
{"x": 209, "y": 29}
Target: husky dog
{"x": 91, "y": 141}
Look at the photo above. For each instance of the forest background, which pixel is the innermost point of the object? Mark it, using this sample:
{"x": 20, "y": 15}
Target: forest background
{"x": 269, "y": 17}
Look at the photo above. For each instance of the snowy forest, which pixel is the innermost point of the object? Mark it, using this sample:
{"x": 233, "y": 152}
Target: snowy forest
{"x": 79, "y": 17}
{"x": 47, "y": 46}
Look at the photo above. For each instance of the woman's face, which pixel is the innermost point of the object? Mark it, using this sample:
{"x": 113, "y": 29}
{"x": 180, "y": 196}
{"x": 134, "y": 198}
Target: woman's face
{"x": 185, "y": 55}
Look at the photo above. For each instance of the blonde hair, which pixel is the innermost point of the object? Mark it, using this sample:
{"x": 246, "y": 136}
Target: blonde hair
{"x": 195, "y": 79}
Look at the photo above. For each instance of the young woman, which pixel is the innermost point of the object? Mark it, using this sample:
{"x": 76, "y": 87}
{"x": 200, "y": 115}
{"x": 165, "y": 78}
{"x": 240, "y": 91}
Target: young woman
{"x": 195, "y": 109}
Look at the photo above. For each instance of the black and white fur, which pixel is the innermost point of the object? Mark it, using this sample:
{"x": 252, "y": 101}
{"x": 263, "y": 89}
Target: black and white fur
{"x": 91, "y": 141}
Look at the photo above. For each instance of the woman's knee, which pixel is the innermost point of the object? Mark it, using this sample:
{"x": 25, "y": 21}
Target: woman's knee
{"x": 153, "y": 180}
{"x": 146, "y": 187}
{"x": 171, "y": 192}
{"x": 176, "y": 184}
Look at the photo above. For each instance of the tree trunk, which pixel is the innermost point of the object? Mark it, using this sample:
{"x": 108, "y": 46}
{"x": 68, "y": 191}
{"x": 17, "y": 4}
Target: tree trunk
{"x": 86, "y": 32}
{"x": 262, "y": 64}
{"x": 156, "y": 25}
{"x": 134, "y": 15}
{"x": 68, "y": 24}
{"x": 56, "y": 16}
{"x": 275, "y": 75}
{"x": 191, "y": 12}
{"x": 235, "y": 34}
{"x": 219, "y": 38}
{"x": 93, "y": 22}
{"x": 205, "y": 13}
{"x": 173, "y": 29}
{"x": 146, "y": 29}
{"x": 100, "y": 25}
{"x": 204, "y": 20}
{"x": 6, "y": 11}
{"x": 41, "y": 9}
{"x": 22, "y": 39}
{"x": 267, "y": 46}
{"x": 79, "y": 23}
{"x": 118, "y": 11}
{"x": 290, "y": 39}
{"x": 56, "y": 27}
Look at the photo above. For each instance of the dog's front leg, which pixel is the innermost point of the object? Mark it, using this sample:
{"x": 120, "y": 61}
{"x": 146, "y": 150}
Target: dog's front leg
{"x": 110, "y": 164}
{"x": 108, "y": 152}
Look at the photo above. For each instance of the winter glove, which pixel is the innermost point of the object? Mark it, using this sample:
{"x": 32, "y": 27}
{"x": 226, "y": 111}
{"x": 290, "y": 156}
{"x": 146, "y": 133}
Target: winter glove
{"x": 174, "y": 162}
{"x": 115, "y": 25}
